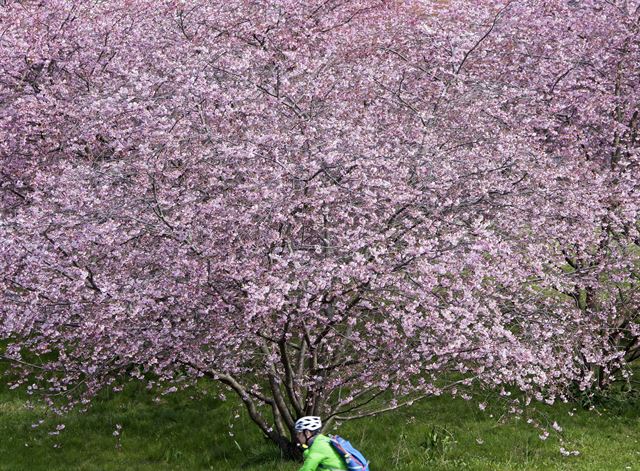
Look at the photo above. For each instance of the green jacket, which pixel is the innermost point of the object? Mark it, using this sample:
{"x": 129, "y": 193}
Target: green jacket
{"x": 321, "y": 456}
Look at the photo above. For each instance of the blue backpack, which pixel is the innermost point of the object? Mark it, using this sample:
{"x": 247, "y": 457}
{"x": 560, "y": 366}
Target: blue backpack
{"x": 352, "y": 457}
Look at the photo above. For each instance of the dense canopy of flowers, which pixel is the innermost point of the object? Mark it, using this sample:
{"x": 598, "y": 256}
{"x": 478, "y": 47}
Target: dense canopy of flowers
{"x": 315, "y": 202}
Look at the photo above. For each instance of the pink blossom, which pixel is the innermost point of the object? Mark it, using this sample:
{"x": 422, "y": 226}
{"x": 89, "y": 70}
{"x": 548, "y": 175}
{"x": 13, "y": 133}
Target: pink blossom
{"x": 297, "y": 200}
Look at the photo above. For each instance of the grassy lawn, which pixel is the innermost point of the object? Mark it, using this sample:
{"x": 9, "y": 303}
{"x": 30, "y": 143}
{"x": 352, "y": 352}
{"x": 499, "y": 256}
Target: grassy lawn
{"x": 181, "y": 433}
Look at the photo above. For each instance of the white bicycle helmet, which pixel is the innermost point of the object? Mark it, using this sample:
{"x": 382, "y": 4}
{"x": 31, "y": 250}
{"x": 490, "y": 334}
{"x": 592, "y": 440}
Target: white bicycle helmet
{"x": 309, "y": 422}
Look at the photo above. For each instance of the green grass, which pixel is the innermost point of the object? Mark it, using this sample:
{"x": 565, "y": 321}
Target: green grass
{"x": 181, "y": 433}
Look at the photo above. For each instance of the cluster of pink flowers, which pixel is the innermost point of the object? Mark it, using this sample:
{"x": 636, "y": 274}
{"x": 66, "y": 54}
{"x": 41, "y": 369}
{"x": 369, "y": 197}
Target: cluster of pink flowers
{"x": 315, "y": 202}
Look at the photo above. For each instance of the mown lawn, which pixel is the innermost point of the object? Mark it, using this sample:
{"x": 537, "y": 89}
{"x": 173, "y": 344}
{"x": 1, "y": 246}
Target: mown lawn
{"x": 181, "y": 433}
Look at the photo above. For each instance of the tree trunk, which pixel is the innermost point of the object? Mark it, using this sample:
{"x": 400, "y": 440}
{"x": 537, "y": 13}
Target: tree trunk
{"x": 288, "y": 449}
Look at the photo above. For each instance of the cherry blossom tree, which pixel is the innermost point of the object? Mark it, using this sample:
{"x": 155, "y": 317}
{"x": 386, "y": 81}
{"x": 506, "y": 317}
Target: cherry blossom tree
{"x": 330, "y": 207}
{"x": 575, "y": 88}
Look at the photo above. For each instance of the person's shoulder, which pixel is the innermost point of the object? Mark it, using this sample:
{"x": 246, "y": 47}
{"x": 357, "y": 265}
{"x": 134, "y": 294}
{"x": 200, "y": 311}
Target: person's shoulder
{"x": 323, "y": 441}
